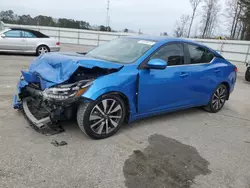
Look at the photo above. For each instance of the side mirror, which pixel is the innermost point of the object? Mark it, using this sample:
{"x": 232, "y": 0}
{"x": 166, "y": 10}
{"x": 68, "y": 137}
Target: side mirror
{"x": 3, "y": 35}
{"x": 157, "y": 64}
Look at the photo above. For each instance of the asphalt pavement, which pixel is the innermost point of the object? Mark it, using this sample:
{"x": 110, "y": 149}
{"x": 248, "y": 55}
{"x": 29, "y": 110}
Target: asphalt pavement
{"x": 189, "y": 148}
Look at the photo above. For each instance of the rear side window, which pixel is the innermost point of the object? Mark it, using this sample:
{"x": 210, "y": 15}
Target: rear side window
{"x": 13, "y": 34}
{"x": 173, "y": 54}
{"x": 199, "y": 54}
{"x": 39, "y": 35}
{"x": 28, "y": 34}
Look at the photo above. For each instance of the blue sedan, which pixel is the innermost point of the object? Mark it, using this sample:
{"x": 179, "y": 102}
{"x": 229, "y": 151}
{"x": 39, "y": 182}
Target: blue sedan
{"x": 122, "y": 81}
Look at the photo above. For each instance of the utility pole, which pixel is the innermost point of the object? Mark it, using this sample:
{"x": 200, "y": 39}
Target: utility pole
{"x": 107, "y": 18}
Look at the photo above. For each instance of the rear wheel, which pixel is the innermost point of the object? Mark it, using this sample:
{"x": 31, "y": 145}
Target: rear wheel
{"x": 101, "y": 118}
{"x": 42, "y": 50}
{"x": 247, "y": 75}
{"x": 218, "y": 99}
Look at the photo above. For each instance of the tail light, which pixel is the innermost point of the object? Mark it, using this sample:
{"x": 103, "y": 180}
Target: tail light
{"x": 236, "y": 69}
{"x": 58, "y": 43}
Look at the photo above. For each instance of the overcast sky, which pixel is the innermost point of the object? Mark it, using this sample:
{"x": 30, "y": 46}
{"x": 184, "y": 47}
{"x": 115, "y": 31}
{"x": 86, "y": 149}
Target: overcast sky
{"x": 151, "y": 16}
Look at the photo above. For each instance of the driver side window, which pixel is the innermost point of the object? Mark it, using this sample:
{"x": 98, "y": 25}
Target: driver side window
{"x": 13, "y": 34}
{"x": 173, "y": 54}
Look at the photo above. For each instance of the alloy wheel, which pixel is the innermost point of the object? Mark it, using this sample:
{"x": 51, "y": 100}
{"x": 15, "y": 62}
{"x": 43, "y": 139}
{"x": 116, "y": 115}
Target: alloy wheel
{"x": 105, "y": 116}
{"x": 43, "y": 50}
{"x": 219, "y": 97}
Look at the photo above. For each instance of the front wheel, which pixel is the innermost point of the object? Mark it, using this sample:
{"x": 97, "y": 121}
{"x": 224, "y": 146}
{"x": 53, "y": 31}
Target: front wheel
{"x": 218, "y": 99}
{"x": 101, "y": 118}
{"x": 247, "y": 75}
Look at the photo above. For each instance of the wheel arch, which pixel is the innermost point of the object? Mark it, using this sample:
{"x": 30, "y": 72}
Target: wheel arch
{"x": 124, "y": 87}
{"x": 247, "y": 74}
{"x": 42, "y": 45}
{"x": 228, "y": 88}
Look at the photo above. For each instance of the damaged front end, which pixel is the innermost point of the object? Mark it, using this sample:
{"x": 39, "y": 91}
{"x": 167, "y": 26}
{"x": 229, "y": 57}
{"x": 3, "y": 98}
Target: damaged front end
{"x": 47, "y": 101}
{"x": 47, "y": 107}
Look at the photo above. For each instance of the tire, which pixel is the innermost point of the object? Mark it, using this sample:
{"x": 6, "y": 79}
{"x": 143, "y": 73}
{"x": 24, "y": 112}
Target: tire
{"x": 218, "y": 99}
{"x": 42, "y": 49}
{"x": 247, "y": 75}
{"x": 101, "y": 118}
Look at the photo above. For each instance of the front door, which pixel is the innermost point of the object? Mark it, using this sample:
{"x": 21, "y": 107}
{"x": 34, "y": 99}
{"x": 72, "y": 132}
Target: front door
{"x": 161, "y": 90}
{"x": 13, "y": 41}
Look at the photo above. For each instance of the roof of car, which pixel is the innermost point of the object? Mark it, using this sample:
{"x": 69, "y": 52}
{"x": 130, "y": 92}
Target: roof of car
{"x": 23, "y": 29}
{"x": 36, "y": 33}
{"x": 149, "y": 37}
{"x": 170, "y": 39}
{"x": 160, "y": 38}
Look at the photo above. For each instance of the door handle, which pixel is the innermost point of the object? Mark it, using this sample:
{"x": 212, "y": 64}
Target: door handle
{"x": 217, "y": 70}
{"x": 183, "y": 74}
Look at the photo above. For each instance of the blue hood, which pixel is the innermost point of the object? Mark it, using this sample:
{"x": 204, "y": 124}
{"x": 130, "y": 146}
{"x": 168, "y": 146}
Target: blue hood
{"x": 55, "y": 68}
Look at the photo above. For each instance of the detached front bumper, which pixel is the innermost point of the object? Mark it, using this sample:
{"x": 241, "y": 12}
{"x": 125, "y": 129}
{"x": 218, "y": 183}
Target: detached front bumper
{"x": 40, "y": 112}
{"x": 41, "y": 123}
{"x": 23, "y": 104}
{"x": 17, "y": 103}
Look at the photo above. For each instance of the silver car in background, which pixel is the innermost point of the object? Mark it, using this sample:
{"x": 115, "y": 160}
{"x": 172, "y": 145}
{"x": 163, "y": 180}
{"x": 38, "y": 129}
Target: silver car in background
{"x": 19, "y": 40}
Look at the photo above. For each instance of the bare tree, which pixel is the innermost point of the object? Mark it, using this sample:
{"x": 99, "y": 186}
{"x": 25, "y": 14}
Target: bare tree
{"x": 181, "y": 26}
{"x": 196, "y": 29}
{"x": 238, "y": 15}
{"x": 211, "y": 9}
{"x": 233, "y": 14}
{"x": 239, "y": 30}
{"x": 164, "y": 34}
{"x": 244, "y": 19}
{"x": 194, "y": 5}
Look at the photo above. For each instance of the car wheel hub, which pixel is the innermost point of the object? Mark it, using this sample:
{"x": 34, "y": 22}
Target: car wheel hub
{"x": 43, "y": 50}
{"x": 219, "y": 98}
{"x": 105, "y": 116}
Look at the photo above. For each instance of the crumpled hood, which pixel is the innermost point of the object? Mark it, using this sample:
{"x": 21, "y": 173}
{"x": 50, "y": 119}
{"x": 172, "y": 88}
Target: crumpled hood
{"x": 55, "y": 68}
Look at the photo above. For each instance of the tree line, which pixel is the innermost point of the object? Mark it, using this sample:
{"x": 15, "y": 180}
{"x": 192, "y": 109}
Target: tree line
{"x": 205, "y": 21}
{"x": 10, "y": 17}
{"x": 211, "y": 18}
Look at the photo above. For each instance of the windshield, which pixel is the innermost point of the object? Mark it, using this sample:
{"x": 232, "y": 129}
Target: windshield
{"x": 122, "y": 50}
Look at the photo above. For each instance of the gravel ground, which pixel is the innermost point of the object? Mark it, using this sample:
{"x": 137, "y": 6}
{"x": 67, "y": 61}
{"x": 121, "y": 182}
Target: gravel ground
{"x": 190, "y": 148}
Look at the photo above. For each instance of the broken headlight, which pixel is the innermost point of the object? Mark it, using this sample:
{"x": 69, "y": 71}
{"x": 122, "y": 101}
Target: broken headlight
{"x": 66, "y": 91}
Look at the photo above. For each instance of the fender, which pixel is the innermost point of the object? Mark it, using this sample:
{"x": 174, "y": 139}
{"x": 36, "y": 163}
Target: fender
{"x": 126, "y": 85}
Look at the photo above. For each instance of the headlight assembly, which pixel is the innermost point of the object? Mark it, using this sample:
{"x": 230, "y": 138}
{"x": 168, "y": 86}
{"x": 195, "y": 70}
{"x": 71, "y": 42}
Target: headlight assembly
{"x": 67, "y": 91}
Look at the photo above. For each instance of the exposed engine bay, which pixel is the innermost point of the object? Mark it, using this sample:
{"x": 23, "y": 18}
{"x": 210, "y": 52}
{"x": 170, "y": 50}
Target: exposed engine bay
{"x": 85, "y": 73}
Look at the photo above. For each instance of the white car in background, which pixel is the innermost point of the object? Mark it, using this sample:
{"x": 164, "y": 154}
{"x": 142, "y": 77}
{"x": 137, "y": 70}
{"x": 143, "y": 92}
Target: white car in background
{"x": 19, "y": 40}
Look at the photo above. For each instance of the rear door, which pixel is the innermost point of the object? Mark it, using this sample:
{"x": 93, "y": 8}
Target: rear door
{"x": 13, "y": 41}
{"x": 203, "y": 72}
